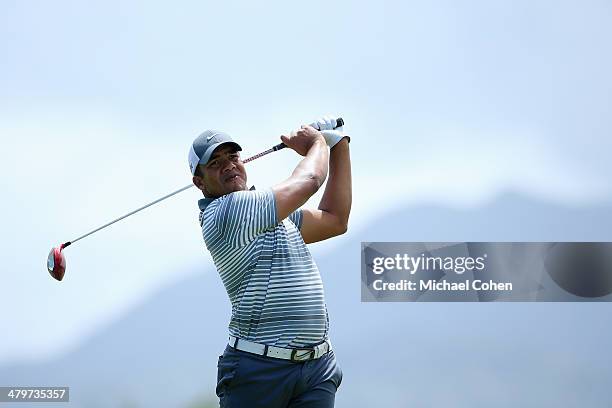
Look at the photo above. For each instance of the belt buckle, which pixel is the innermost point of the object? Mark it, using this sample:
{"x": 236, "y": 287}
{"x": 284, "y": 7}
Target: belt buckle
{"x": 310, "y": 353}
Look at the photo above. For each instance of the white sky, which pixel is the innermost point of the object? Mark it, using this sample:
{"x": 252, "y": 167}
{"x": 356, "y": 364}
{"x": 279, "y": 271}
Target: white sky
{"x": 446, "y": 104}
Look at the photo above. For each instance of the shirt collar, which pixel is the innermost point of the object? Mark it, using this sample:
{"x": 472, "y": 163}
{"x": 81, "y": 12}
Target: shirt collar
{"x": 203, "y": 203}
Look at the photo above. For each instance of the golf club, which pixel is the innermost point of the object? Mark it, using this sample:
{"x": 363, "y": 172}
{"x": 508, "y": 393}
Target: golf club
{"x": 56, "y": 262}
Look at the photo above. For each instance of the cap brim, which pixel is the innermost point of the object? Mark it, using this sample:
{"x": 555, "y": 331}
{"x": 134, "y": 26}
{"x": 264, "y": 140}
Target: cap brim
{"x": 209, "y": 152}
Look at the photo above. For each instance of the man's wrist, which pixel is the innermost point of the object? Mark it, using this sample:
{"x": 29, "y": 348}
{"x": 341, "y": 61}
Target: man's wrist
{"x": 342, "y": 142}
{"x": 319, "y": 139}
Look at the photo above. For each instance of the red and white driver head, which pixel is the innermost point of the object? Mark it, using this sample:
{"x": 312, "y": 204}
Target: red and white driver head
{"x": 56, "y": 263}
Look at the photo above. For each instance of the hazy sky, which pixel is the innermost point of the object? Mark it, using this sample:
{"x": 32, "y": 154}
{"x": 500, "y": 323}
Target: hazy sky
{"x": 446, "y": 103}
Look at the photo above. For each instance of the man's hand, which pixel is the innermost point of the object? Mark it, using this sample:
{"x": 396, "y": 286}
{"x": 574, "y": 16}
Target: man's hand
{"x": 325, "y": 123}
{"x": 302, "y": 140}
{"x": 332, "y": 136}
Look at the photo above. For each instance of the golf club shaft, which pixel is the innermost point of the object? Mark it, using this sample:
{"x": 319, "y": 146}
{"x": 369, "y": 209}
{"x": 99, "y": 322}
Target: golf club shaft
{"x": 258, "y": 155}
{"x": 128, "y": 214}
{"x": 160, "y": 199}
{"x": 339, "y": 122}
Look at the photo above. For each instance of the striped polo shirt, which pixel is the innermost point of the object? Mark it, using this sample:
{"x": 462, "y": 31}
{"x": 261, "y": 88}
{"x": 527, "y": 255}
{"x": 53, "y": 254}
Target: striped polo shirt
{"x": 272, "y": 281}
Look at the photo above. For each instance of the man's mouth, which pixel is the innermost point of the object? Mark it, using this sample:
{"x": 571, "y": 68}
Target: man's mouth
{"x": 232, "y": 178}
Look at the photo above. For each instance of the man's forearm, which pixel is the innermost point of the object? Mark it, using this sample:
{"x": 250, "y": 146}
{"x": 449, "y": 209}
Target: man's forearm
{"x": 337, "y": 197}
{"x": 305, "y": 180}
{"x": 314, "y": 164}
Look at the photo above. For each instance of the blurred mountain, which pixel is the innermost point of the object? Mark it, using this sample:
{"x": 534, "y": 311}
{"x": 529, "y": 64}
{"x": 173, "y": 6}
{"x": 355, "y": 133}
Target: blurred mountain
{"x": 163, "y": 353}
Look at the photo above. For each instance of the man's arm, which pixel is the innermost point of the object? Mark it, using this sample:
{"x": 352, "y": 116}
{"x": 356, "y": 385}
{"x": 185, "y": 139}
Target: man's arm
{"x": 331, "y": 218}
{"x": 308, "y": 176}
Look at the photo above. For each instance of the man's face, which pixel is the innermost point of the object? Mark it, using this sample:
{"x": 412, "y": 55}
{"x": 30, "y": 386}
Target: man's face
{"x": 224, "y": 173}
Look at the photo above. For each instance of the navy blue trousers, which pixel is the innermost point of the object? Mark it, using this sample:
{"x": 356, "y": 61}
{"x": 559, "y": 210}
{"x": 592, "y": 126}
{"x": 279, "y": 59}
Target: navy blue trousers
{"x": 246, "y": 380}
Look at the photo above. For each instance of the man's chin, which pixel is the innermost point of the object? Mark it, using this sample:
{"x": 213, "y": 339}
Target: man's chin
{"x": 236, "y": 187}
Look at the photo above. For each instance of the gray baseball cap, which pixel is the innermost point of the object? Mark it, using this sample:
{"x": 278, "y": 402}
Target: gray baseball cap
{"x": 204, "y": 146}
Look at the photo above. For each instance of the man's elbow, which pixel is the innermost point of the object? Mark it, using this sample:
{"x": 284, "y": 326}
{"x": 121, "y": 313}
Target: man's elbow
{"x": 340, "y": 228}
{"x": 314, "y": 181}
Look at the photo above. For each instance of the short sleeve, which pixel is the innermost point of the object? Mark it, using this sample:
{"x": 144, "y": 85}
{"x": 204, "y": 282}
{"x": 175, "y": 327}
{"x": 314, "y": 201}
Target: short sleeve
{"x": 242, "y": 215}
{"x": 296, "y": 218}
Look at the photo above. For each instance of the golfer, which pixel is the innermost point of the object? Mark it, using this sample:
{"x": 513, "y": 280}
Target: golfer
{"x": 279, "y": 353}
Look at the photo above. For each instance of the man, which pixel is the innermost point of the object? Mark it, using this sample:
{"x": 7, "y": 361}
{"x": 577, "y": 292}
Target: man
{"x": 279, "y": 353}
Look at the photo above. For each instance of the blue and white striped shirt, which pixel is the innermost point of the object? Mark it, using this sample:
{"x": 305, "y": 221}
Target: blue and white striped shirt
{"x": 271, "y": 279}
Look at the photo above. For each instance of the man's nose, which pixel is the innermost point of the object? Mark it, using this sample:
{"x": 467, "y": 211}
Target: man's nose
{"x": 227, "y": 165}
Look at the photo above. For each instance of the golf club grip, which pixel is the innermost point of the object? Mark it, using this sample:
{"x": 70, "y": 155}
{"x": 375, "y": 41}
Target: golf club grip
{"x": 339, "y": 123}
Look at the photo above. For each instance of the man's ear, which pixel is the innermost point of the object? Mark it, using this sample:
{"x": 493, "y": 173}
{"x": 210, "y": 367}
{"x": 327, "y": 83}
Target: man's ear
{"x": 199, "y": 183}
